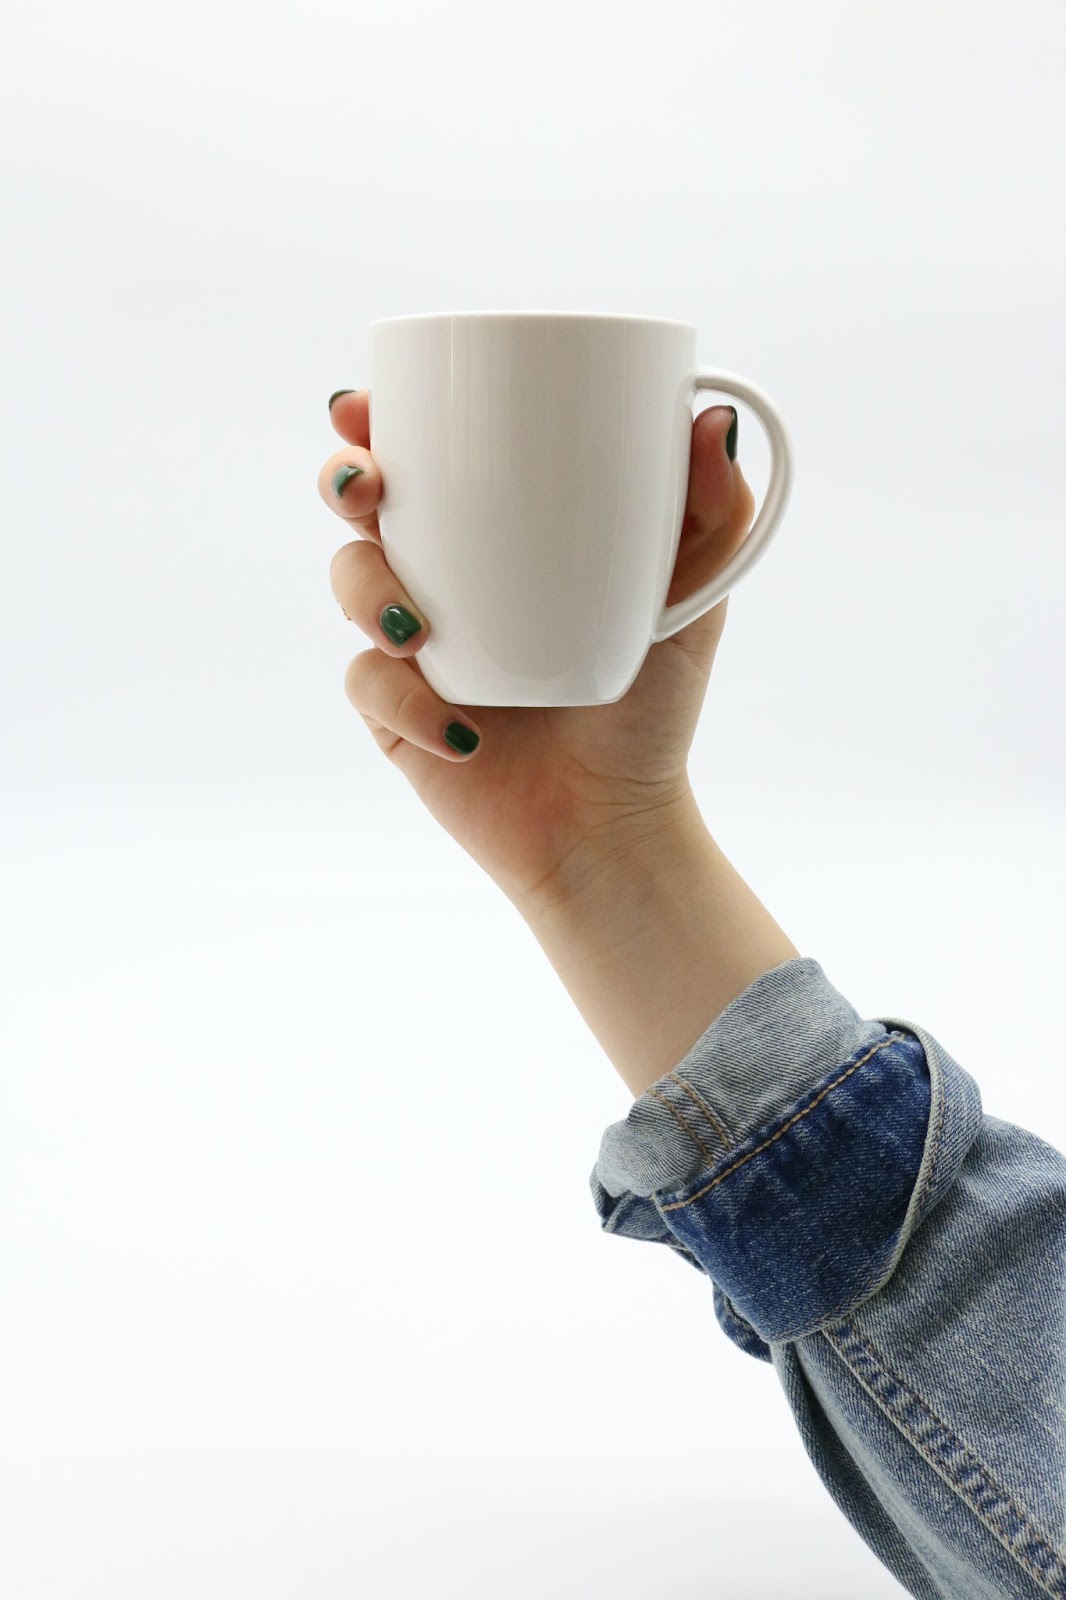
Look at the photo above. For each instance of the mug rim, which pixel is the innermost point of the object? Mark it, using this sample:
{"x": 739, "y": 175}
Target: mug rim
{"x": 541, "y": 316}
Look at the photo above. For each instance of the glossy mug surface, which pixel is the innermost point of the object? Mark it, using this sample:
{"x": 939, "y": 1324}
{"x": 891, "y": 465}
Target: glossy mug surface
{"x": 535, "y": 474}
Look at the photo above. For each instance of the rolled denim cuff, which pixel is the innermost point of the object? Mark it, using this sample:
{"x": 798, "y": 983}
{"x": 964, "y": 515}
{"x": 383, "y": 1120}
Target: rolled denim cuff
{"x": 790, "y": 1154}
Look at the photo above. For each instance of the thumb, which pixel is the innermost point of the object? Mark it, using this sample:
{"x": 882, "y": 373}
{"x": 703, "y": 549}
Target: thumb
{"x": 719, "y": 506}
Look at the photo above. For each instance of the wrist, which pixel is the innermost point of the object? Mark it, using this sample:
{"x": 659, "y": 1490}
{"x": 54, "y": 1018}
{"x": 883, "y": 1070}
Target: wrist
{"x": 653, "y": 932}
{"x": 609, "y": 851}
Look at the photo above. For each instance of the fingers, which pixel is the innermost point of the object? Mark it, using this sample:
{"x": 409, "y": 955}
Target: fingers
{"x": 720, "y": 505}
{"x": 719, "y": 499}
{"x": 718, "y": 514}
{"x": 350, "y": 484}
{"x": 372, "y": 597}
{"x": 396, "y": 702}
{"x": 388, "y": 690}
{"x": 349, "y": 412}
{"x": 385, "y": 687}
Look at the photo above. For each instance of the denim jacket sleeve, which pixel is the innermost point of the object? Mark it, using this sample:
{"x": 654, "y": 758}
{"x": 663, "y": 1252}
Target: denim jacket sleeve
{"x": 898, "y": 1255}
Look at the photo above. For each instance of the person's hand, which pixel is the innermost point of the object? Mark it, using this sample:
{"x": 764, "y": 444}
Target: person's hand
{"x": 549, "y": 790}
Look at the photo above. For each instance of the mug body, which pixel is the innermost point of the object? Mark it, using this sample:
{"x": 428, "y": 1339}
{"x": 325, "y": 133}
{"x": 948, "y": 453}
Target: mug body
{"x": 535, "y": 473}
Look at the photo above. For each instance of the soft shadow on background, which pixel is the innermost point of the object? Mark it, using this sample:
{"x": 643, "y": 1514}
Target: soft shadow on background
{"x": 303, "y": 1289}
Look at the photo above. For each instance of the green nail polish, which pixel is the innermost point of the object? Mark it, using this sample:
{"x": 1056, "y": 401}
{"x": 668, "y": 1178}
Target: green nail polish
{"x": 343, "y": 476}
{"x": 461, "y": 738}
{"x": 731, "y": 436}
{"x": 398, "y": 624}
{"x": 337, "y": 394}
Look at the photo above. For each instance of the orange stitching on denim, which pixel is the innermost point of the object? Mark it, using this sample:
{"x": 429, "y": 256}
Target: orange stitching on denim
{"x": 678, "y": 1204}
{"x": 693, "y": 1135}
{"x": 712, "y": 1116}
{"x": 959, "y": 1444}
{"x": 878, "y": 1274}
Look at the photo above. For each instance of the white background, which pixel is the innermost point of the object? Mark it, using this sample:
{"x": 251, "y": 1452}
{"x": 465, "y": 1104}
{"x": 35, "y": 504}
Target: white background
{"x": 303, "y": 1292}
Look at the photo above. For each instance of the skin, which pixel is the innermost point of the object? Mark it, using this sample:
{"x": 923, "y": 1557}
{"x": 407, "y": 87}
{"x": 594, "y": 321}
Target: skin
{"x": 551, "y": 793}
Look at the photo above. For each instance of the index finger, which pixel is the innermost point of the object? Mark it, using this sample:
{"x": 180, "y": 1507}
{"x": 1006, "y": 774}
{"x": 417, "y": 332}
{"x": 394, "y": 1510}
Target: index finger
{"x": 349, "y": 412}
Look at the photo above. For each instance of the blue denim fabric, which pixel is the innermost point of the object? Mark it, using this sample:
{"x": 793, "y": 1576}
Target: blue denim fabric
{"x": 895, "y": 1253}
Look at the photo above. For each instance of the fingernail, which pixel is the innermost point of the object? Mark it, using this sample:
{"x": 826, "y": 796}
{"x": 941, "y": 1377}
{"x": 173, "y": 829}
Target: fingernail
{"x": 337, "y": 394}
{"x": 731, "y": 436}
{"x": 398, "y": 624}
{"x": 461, "y": 738}
{"x": 343, "y": 476}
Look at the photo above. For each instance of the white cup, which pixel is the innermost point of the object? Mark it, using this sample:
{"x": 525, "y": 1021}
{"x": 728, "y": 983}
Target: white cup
{"x": 535, "y": 469}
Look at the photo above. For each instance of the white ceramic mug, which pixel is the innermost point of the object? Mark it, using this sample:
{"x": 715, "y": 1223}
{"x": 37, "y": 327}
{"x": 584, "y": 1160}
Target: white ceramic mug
{"x": 535, "y": 471}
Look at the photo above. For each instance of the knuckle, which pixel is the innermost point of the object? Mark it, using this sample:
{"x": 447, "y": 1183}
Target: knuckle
{"x": 411, "y": 701}
{"x": 359, "y": 677}
{"x": 740, "y": 514}
{"x": 336, "y": 566}
{"x": 350, "y": 565}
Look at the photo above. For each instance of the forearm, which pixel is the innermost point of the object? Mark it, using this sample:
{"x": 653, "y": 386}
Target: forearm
{"x": 656, "y": 938}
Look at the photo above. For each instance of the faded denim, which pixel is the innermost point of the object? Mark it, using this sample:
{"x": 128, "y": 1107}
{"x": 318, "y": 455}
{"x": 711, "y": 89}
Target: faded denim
{"x": 895, "y": 1253}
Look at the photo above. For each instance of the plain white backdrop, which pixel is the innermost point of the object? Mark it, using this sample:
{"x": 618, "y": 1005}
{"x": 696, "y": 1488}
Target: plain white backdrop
{"x": 302, "y": 1292}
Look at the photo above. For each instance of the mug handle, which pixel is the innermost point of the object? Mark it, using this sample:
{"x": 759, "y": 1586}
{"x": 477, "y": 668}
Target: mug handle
{"x": 673, "y": 618}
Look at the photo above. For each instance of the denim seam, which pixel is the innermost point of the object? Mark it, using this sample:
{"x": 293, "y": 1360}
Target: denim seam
{"x": 952, "y": 1459}
{"x": 712, "y": 1116}
{"x": 675, "y": 1112}
{"x": 677, "y": 1205}
{"x": 934, "y": 1146}
{"x": 879, "y": 1274}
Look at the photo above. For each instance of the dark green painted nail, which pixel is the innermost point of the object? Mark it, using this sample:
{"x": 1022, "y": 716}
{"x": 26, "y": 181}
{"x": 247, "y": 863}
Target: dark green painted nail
{"x": 398, "y": 624}
{"x": 343, "y": 476}
{"x": 337, "y": 394}
{"x": 731, "y": 436}
{"x": 461, "y": 738}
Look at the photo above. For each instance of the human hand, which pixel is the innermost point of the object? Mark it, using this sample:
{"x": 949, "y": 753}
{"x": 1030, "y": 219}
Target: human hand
{"x": 549, "y": 789}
